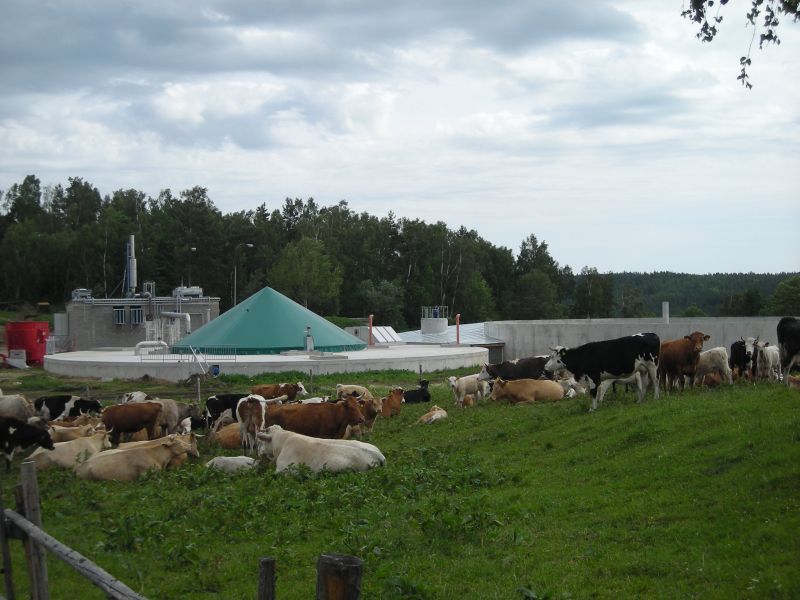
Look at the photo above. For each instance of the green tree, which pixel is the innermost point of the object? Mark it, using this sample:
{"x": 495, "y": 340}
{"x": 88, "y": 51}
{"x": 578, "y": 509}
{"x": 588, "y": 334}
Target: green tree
{"x": 306, "y": 273}
{"x": 693, "y": 311}
{"x": 384, "y": 301}
{"x": 535, "y": 297}
{"x": 478, "y": 302}
{"x": 631, "y": 303}
{"x": 594, "y": 295}
{"x": 745, "y": 304}
{"x": 786, "y": 299}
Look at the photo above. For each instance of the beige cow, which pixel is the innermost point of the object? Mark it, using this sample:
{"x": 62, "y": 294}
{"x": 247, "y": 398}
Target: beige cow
{"x": 131, "y": 463}
{"x": 67, "y": 454}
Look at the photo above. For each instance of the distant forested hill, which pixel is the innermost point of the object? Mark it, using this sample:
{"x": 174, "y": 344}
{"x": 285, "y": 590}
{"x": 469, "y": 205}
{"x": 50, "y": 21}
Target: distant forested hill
{"x": 711, "y": 293}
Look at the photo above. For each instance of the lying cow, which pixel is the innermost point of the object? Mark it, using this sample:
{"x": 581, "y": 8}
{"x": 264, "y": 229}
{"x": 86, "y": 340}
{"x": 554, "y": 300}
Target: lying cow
{"x": 713, "y": 361}
{"x": 359, "y": 392}
{"x": 532, "y": 367}
{"x": 469, "y": 384}
{"x": 16, "y": 434}
{"x": 433, "y": 415}
{"x": 17, "y": 406}
{"x": 67, "y": 454}
{"x": 177, "y": 460}
{"x": 392, "y": 404}
{"x": 137, "y": 396}
{"x": 67, "y": 434}
{"x": 527, "y": 391}
{"x": 276, "y": 390}
{"x": 228, "y": 437}
{"x": 421, "y": 394}
{"x": 231, "y": 464}
{"x": 287, "y": 449}
{"x": 131, "y": 463}
{"x": 59, "y": 407}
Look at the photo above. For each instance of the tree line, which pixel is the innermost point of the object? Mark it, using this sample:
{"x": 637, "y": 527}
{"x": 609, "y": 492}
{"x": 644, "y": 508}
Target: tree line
{"x": 331, "y": 259}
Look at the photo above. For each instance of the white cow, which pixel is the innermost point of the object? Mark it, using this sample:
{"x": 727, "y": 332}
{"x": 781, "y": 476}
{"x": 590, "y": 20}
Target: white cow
{"x": 287, "y": 448}
{"x": 769, "y": 361}
{"x": 231, "y": 464}
{"x": 67, "y": 454}
{"x": 435, "y": 414}
{"x": 469, "y": 384}
{"x": 714, "y": 360}
{"x": 132, "y": 463}
{"x": 134, "y": 397}
{"x": 17, "y": 406}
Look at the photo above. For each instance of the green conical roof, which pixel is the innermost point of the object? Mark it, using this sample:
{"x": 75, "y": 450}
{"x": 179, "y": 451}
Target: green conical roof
{"x": 268, "y": 323}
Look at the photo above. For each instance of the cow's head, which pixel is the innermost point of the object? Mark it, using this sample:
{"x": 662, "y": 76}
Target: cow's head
{"x": 424, "y": 383}
{"x": 301, "y": 390}
{"x": 451, "y": 381}
{"x": 484, "y": 374}
{"x": 697, "y": 338}
{"x": 498, "y": 387}
{"x": 264, "y": 442}
{"x": 556, "y": 360}
{"x": 352, "y": 413}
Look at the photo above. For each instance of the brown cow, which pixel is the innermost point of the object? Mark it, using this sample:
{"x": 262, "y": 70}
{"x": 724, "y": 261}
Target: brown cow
{"x": 325, "y": 420}
{"x": 130, "y": 418}
{"x": 251, "y": 414}
{"x": 678, "y": 359}
{"x": 228, "y": 437}
{"x": 368, "y": 408}
{"x": 527, "y": 391}
{"x": 275, "y": 390}
{"x": 392, "y": 404}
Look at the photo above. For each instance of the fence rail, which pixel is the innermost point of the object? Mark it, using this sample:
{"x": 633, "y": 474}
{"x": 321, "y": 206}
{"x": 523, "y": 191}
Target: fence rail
{"x": 208, "y": 354}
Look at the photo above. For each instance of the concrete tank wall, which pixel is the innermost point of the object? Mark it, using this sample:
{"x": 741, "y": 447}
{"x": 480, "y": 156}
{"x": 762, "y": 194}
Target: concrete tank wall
{"x": 530, "y": 338}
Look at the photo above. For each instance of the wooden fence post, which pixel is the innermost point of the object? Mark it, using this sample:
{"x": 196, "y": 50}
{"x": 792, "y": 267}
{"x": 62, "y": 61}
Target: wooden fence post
{"x": 28, "y": 498}
{"x": 338, "y": 577}
{"x": 266, "y": 579}
{"x": 7, "y": 576}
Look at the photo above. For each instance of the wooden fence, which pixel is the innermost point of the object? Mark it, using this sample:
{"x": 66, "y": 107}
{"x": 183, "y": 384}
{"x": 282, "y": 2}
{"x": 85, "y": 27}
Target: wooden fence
{"x": 338, "y": 575}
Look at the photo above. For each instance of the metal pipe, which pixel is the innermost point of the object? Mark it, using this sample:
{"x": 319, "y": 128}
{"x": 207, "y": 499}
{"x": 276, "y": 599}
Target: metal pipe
{"x": 458, "y": 328}
{"x": 151, "y": 344}
{"x": 187, "y": 318}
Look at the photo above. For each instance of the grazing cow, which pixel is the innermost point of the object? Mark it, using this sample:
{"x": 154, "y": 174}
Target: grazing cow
{"x": 288, "y": 448}
{"x": 527, "y": 391}
{"x": 67, "y": 434}
{"x": 177, "y": 460}
{"x": 219, "y": 403}
{"x": 469, "y": 384}
{"x": 231, "y": 464}
{"x": 251, "y": 414}
{"x": 19, "y": 434}
{"x": 16, "y": 406}
{"x": 679, "y": 359}
{"x": 67, "y": 454}
{"x": 134, "y": 397}
{"x": 532, "y": 367}
{"x": 626, "y": 360}
{"x": 433, "y": 415}
{"x": 421, "y": 394}
{"x": 768, "y": 361}
{"x": 269, "y": 391}
{"x": 392, "y": 404}
{"x": 60, "y": 407}
{"x": 329, "y": 420}
{"x": 788, "y": 345}
{"x": 229, "y": 437}
{"x": 131, "y": 463}
{"x": 714, "y": 360}
{"x": 130, "y": 418}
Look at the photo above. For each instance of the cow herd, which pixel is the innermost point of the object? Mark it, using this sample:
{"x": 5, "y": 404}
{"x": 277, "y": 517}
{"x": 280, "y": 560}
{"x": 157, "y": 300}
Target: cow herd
{"x": 281, "y": 424}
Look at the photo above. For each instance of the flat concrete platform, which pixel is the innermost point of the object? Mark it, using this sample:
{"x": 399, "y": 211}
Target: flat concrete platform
{"x": 123, "y": 363}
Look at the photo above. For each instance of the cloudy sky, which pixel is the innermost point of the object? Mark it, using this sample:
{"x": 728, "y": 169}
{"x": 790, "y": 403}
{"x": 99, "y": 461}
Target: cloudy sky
{"x": 604, "y": 127}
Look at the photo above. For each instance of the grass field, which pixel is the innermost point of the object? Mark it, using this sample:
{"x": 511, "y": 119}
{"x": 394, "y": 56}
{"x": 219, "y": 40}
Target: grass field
{"x": 695, "y": 495}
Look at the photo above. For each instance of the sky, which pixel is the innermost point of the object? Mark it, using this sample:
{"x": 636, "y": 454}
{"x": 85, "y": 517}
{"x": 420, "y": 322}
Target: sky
{"x": 604, "y": 128}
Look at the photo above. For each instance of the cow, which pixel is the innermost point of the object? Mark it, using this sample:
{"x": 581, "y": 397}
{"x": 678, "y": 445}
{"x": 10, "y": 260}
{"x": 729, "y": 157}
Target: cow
{"x": 794, "y": 382}
{"x": 175, "y": 461}
{"x": 67, "y": 454}
{"x": 137, "y": 396}
{"x": 185, "y": 426}
{"x": 469, "y": 384}
{"x": 315, "y": 400}
{"x": 131, "y": 463}
{"x": 15, "y": 434}
{"x": 768, "y": 361}
{"x": 392, "y": 404}
{"x": 219, "y": 403}
{"x": 355, "y": 391}
{"x": 369, "y": 410}
{"x": 60, "y": 407}
{"x": 711, "y": 361}
{"x": 712, "y": 379}
{"x": 67, "y": 434}
{"x": 16, "y": 406}
{"x": 627, "y": 359}
{"x": 739, "y": 360}
{"x": 276, "y": 390}
{"x": 527, "y": 391}
{"x": 433, "y": 415}
{"x": 226, "y": 418}
{"x": 421, "y": 394}
{"x": 251, "y": 414}
{"x": 469, "y": 401}
{"x": 532, "y": 367}
{"x": 231, "y": 464}
{"x": 679, "y": 359}
{"x": 130, "y": 418}
{"x": 288, "y": 448}
{"x": 228, "y": 437}
{"x": 788, "y": 345}
{"x": 329, "y": 420}
{"x": 175, "y": 412}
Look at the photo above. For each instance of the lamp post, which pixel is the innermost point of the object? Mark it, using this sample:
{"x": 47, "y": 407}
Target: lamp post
{"x": 192, "y": 250}
{"x": 235, "y": 264}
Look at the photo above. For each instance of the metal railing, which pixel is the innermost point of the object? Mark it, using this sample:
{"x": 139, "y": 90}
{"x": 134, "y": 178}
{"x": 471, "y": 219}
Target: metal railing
{"x": 204, "y": 354}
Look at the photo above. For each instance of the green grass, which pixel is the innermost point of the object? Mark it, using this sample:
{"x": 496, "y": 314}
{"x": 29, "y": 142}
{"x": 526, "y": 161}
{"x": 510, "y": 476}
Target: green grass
{"x": 694, "y": 495}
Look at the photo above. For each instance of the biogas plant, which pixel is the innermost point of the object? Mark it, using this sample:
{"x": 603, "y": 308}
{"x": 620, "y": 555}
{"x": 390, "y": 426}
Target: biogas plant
{"x": 183, "y": 335}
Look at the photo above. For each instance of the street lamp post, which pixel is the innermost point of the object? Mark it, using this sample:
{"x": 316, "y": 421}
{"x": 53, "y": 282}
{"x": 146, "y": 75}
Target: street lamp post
{"x": 235, "y": 264}
{"x": 192, "y": 250}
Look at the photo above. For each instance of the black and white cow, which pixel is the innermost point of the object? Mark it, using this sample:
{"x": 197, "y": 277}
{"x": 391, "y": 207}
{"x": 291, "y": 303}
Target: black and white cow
{"x": 625, "y": 360}
{"x": 532, "y": 367}
{"x": 19, "y": 434}
{"x": 788, "y": 345}
{"x": 421, "y": 394}
{"x": 217, "y": 404}
{"x": 58, "y": 407}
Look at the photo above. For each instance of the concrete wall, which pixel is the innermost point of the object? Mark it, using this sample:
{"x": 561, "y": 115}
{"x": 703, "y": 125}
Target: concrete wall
{"x": 530, "y": 338}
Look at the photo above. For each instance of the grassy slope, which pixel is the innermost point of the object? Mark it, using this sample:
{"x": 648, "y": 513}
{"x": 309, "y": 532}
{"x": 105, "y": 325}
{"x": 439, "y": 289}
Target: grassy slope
{"x": 695, "y": 495}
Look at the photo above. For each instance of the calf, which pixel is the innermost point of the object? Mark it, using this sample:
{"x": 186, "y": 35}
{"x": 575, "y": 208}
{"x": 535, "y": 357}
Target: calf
{"x": 788, "y": 345}
{"x": 626, "y": 360}
{"x": 433, "y": 415}
{"x": 679, "y": 359}
{"x": 421, "y": 394}
{"x": 527, "y": 391}
{"x": 712, "y": 361}
{"x": 231, "y": 464}
{"x": 16, "y": 434}
{"x": 469, "y": 384}
{"x": 288, "y": 448}
{"x": 130, "y": 418}
{"x": 768, "y": 361}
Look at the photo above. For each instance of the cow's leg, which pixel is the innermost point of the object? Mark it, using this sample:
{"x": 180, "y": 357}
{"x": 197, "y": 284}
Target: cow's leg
{"x": 653, "y": 376}
{"x": 640, "y": 386}
{"x": 601, "y": 391}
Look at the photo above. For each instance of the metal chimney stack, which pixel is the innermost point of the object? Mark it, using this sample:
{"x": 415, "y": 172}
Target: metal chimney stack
{"x": 131, "y": 269}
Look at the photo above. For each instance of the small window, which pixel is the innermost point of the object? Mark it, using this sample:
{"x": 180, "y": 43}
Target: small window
{"x": 119, "y": 315}
{"x": 137, "y": 315}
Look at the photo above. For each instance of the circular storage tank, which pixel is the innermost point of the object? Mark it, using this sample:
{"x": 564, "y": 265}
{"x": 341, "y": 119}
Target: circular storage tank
{"x": 30, "y": 336}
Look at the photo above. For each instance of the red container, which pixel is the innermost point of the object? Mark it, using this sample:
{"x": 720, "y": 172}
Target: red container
{"x": 30, "y": 336}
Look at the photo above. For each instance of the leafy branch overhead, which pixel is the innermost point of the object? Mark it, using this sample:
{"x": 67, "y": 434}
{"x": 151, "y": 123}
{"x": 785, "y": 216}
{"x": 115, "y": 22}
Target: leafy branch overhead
{"x": 763, "y": 16}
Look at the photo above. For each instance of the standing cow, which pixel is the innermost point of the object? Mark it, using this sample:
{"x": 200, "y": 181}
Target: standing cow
{"x": 627, "y": 359}
{"x": 679, "y": 359}
{"x": 16, "y": 434}
{"x": 788, "y": 344}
